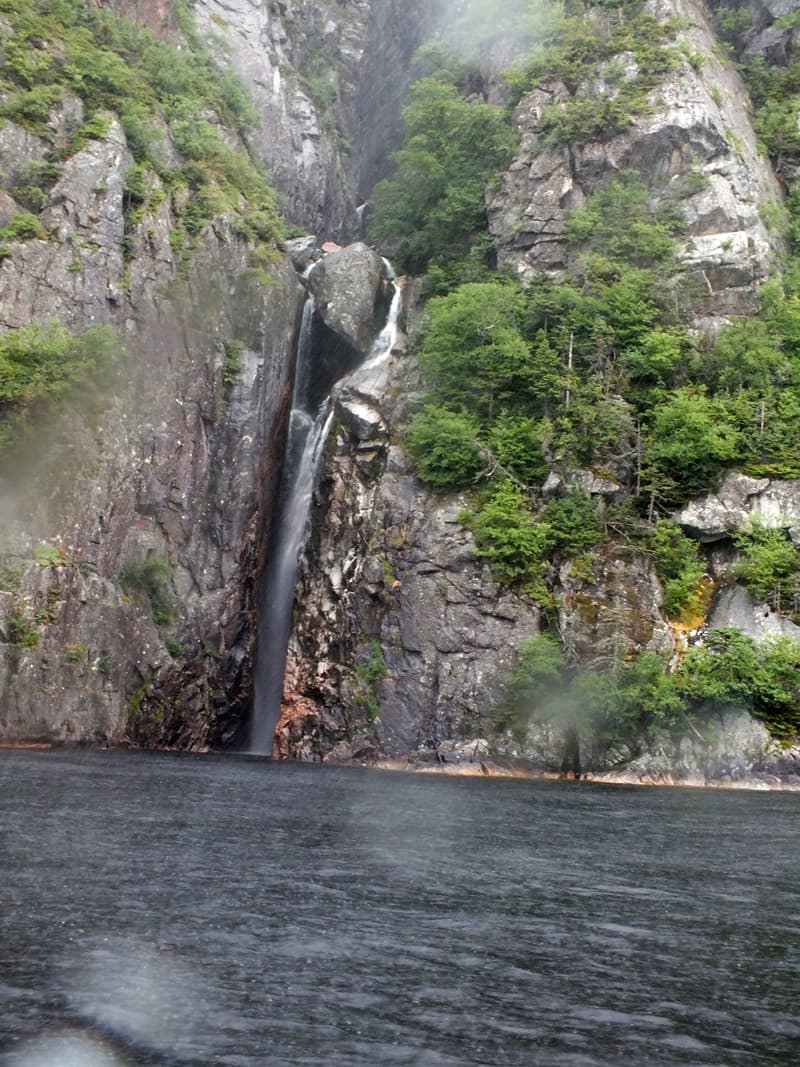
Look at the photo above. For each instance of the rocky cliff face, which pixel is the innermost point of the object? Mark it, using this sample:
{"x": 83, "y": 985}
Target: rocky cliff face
{"x": 328, "y": 81}
{"x": 402, "y": 641}
{"x": 174, "y": 467}
{"x": 693, "y": 142}
{"x": 170, "y": 483}
{"x": 401, "y": 637}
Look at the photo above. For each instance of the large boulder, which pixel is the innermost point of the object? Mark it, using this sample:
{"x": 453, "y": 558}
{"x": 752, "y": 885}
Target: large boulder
{"x": 347, "y": 288}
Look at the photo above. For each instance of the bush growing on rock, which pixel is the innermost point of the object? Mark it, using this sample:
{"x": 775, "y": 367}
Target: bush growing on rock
{"x": 40, "y": 365}
{"x": 117, "y": 66}
{"x": 150, "y": 578}
{"x": 624, "y": 701}
{"x": 678, "y": 565}
{"x": 445, "y": 448}
{"x": 23, "y": 227}
{"x": 769, "y": 566}
{"x": 434, "y": 203}
{"x": 507, "y": 537}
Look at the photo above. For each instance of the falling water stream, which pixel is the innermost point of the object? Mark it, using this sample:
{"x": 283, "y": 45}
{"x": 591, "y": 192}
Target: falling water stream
{"x": 308, "y": 432}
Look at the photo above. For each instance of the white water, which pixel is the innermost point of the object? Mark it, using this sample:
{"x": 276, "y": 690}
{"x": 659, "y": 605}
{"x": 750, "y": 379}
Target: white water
{"x": 385, "y": 341}
{"x": 360, "y": 216}
{"x": 308, "y": 432}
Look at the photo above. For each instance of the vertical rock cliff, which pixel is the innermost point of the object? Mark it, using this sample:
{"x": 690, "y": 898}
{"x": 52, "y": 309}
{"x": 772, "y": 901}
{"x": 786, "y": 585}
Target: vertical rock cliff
{"x": 134, "y": 522}
{"x": 136, "y": 517}
{"x": 695, "y": 144}
{"x": 173, "y": 463}
{"x": 403, "y": 642}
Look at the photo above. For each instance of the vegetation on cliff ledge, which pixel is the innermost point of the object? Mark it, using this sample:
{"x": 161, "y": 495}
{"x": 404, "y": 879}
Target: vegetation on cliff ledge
{"x": 43, "y": 366}
{"x": 598, "y": 373}
{"x": 180, "y": 112}
{"x": 624, "y": 702}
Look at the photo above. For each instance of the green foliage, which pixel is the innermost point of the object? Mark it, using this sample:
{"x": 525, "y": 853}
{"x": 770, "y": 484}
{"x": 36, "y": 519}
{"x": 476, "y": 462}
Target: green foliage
{"x": 39, "y": 365}
{"x": 678, "y": 565}
{"x": 769, "y": 565}
{"x": 151, "y": 577}
{"x": 732, "y": 22}
{"x": 20, "y": 633}
{"x": 507, "y": 537}
{"x": 597, "y": 369}
{"x": 632, "y": 698}
{"x": 536, "y": 678}
{"x": 117, "y": 66}
{"x": 10, "y": 575}
{"x": 95, "y": 128}
{"x": 573, "y": 523}
{"x": 514, "y": 444}
{"x": 31, "y": 188}
{"x": 620, "y": 703}
{"x": 690, "y": 439}
{"x": 445, "y": 448}
{"x": 75, "y": 653}
{"x": 732, "y": 669}
{"x": 628, "y": 700}
{"x": 580, "y": 49}
{"x": 434, "y": 203}
{"x": 473, "y": 353}
{"x": 445, "y": 273}
{"x": 623, "y": 221}
{"x": 49, "y": 556}
{"x": 369, "y": 675}
{"x": 232, "y": 366}
{"x": 23, "y": 227}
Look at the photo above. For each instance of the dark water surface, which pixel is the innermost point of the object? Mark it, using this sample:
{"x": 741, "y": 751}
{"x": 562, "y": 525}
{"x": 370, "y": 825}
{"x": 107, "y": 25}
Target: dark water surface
{"x": 228, "y": 911}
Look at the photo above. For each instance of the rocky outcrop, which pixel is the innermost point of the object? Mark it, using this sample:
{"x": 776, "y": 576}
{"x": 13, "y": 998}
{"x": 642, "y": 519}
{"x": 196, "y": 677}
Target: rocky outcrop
{"x": 610, "y": 607}
{"x": 773, "y": 503}
{"x": 401, "y": 637}
{"x": 346, "y": 288}
{"x": 726, "y": 749}
{"x": 695, "y": 147}
{"x": 734, "y": 607}
{"x": 328, "y": 81}
{"x": 760, "y": 36}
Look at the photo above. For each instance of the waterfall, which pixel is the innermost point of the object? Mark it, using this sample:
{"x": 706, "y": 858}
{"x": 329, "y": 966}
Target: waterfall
{"x": 385, "y": 341}
{"x": 308, "y": 432}
{"x": 360, "y": 216}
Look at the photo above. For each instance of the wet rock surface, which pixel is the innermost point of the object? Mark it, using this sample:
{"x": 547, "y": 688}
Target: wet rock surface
{"x": 172, "y": 463}
{"x": 328, "y": 80}
{"x": 347, "y": 291}
{"x": 403, "y": 642}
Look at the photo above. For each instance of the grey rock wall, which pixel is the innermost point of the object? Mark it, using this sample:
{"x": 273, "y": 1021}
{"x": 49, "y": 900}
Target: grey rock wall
{"x": 695, "y": 147}
{"x": 171, "y": 462}
{"x": 328, "y": 80}
{"x": 740, "y": 499}
{"x": 398, "y": 574}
